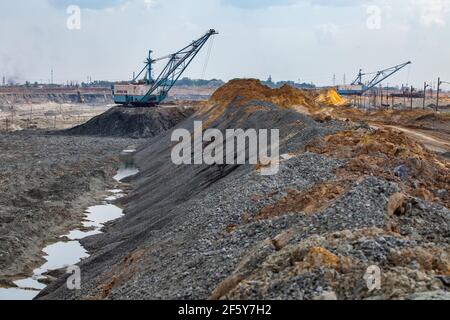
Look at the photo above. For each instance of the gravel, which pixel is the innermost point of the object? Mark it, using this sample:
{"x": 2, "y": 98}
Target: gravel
{"x": 190, "y": 232}
{"x": 133, "y": 122}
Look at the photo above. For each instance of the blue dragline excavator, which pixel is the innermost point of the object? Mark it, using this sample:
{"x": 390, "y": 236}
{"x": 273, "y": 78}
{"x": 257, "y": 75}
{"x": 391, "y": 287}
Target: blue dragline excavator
{"x": 358, "y": 87}
{"x": 151, "y": 92}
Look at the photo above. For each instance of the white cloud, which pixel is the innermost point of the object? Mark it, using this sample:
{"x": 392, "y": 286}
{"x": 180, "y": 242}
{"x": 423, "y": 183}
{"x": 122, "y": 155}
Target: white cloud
{"x": 433, "y": 12}
{"x": 326, "y": 33}
{"x": 310, "y": 40}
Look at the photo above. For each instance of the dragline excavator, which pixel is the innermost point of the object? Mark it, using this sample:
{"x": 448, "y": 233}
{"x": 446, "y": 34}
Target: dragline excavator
{"x": 358, "y": 87}
{"x": 151, "y": 91}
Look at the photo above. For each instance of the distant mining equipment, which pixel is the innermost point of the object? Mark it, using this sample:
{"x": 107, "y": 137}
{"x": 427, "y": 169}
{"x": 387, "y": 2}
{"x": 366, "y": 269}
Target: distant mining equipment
{"x": 358, "y": 88}
{"x": 150, "y": 92}
{"x": 368, "y": 96}
{"x": 406, "y": 98}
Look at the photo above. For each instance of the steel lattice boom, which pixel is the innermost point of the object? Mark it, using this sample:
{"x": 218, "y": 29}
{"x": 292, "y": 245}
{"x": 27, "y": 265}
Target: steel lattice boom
{"x": 151, "y": 91}
{"x": 358, "y": 87}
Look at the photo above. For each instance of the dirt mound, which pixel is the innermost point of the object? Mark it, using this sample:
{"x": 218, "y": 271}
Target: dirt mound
{"x": 242, "y": 91}
{"x": 318, "y": 223}
{"x": 320, "y": 104}
{"x": 392, "y": 155}
{"x": 410, "y": 118}
{"x": 332, "y": 98}
{"x": 133, "y": 122}
{"x": 252, "y": 89}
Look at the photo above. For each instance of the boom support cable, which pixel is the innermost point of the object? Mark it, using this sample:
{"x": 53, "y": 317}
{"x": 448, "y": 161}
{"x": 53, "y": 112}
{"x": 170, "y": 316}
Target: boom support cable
{"x": 208, "y": 56}
{"x": 177, "y": 64}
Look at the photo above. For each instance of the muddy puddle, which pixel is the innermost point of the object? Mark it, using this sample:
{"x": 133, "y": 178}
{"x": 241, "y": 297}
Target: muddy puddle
{"x": 69, "y": 251}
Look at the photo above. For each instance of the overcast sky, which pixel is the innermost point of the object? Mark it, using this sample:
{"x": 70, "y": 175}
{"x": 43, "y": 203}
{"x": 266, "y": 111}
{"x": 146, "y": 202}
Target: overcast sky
{"x": 306, "y": 40}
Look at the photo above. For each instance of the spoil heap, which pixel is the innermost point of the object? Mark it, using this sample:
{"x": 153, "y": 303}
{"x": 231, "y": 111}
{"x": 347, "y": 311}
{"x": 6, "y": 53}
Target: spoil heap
{"x": 308, "y": 232}
{"x": 252, "y": 89}
{"x": 242, "y": 91}
{"x": 331, "y": 98}
{"x": 133, "y": 122}
{"x": 392, "y": 155}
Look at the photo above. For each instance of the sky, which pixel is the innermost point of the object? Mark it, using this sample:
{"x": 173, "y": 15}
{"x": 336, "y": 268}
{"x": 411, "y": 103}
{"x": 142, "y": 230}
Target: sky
{"x": 298, "y": 40}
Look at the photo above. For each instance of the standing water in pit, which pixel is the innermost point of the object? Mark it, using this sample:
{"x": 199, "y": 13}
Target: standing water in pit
{"x": 67, "y": 253}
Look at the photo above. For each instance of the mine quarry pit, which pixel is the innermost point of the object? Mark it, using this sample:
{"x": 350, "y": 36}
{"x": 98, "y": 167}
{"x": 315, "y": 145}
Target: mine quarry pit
{"x": 356, "y": 188}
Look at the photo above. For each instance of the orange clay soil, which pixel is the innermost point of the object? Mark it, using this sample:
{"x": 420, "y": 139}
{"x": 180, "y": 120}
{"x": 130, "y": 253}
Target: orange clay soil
{"x": 368, "y": 153}
{"x": 320, "y": 104}
{"x": 308, "y": 202}
{"x": 310, "y": 101}
{"x": 379, "y": 152}
{"x": 252, "y": 89}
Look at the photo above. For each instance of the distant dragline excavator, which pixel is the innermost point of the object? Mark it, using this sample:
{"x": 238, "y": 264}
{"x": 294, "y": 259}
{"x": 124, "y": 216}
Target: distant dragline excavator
{"x": 359, "y": 88}
{"x": 148, "y": 91}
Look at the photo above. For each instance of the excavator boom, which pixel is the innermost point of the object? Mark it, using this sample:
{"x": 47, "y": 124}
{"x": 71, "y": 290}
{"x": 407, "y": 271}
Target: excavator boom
{"x": 151, "y": 92}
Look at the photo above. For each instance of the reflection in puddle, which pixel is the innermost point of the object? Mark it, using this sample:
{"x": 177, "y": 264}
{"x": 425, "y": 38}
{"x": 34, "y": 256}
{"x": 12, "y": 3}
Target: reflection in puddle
{"x": 17, "y": 294}
{"x": 63, "y": 254}
{"x": 125, "y": 172}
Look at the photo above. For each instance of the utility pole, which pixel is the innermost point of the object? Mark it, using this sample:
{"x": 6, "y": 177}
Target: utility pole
{"x": 381, "y": 95}
{"x": 411, "y": 94}
{"x": 51, "y": 81}
{"x": 4, "y": 80}
{"x": 404, "y": 98}
{"x": 334, "y": 79}
{"x": 374, "y": 91}
{"x": 425, "y": 86}
{"x": 437, "y": 93}
{"x": 345, "y": 79}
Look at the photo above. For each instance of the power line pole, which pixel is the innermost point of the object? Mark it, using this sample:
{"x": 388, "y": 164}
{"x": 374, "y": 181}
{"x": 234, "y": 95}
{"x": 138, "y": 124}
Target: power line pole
{"x": 437, "y": 93}
{"x": 425, "y": 86}
{"x": 334, "y": 79}
{"x": 404, "y": 97}
{"x": 51, "y": 81}
{"x": 381, "y": 95}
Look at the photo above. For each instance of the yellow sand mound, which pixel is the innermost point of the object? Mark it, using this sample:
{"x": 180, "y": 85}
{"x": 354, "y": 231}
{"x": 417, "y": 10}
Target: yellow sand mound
{"x": 332, "y": 98}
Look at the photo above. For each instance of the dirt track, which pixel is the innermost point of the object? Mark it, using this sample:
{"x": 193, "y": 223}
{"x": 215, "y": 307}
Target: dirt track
{"x": 426, "y": 137}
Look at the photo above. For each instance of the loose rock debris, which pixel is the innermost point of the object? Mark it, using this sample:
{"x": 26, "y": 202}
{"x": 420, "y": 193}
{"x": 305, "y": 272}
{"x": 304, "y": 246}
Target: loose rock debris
{"x": 337, "y": 207}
